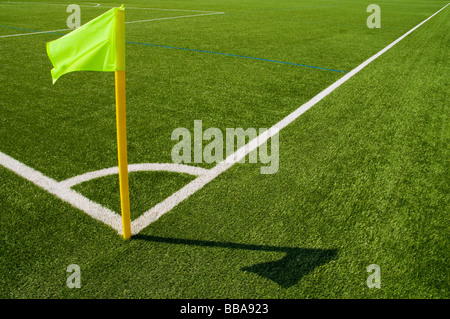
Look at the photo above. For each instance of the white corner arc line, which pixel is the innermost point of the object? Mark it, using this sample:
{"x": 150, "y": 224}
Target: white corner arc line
{"x": 147, "y": 167}
{"x": 160, "y": 209}
{"x": 63, "y": 190}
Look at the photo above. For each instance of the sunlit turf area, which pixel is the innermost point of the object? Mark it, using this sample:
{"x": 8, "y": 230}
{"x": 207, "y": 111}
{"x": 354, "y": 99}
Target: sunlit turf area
{"x": 363, "y": 176}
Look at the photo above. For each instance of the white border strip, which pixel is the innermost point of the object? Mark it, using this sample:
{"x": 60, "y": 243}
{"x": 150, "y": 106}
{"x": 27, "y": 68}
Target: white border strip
{"x": 177, "y": 17}
{"x": 21, "y": 3}
{"x": 31, "y": 33}
{"x": 197, "y": 184}
{"x": 65, "y": 193}
{"x": 95, "y": 5}
{"x": 137, "y": 21}
{"x": 164, "y": 9}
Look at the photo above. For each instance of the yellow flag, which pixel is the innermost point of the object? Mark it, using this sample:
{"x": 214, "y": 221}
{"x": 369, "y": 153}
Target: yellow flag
{"x": 98, "y": 45}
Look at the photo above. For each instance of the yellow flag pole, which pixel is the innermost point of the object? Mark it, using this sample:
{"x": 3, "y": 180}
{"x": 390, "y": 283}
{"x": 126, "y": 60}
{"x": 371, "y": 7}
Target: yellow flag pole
{"x": 122, "y": 153}
{"x": 121, "y": 123}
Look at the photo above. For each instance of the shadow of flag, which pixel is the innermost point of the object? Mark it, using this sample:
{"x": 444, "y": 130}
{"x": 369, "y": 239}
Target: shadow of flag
{"x": 297, "y": 262}
{"x": 286, "y": 271}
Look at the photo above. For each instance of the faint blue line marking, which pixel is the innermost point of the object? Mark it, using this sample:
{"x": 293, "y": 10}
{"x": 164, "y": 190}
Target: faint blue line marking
{"x": 236, "y": 56}
{"x": 200, "y": 51}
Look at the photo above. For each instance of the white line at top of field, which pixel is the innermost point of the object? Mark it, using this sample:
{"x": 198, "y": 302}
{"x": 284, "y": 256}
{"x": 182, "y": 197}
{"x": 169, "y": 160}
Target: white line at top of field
{"x": 137, "y": 21}
{"x": 22, "y": 3}
{"x": 98, "y": 5}
{"x": 176, "y": 17}
{"x": 31, "y": 33}
{"x": 166, "y": 9}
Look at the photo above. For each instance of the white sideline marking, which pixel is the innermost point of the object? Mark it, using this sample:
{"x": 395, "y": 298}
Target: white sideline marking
{"x": 177, "y": 17}
{"x": 138, "y": 21}
{"x": 59, "y": 190}
{"x": 31, "y": 33}
{"x": 164, "y": 9}
{"x": 173, "y": 200}
{"x": 45, "y": 4}
{"x": 63, "y": 191}
{"x": 98, "y": 5}
{"x": 197, "y": 184}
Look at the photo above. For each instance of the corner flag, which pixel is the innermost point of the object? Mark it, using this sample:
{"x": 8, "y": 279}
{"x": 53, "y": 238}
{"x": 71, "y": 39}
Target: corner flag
{"x": 99, "y": 45}
{"x": 92, "y": 47}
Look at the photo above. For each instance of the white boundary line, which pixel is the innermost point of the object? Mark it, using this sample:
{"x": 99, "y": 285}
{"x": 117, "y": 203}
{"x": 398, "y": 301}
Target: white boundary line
{"x": 63, "y": 191}
{"x": 177, "y": 17}
{"x": 128, "y": 22}
{"x": 197, "y": 184}
{"x": 31, "y": 33}
{"x": 96, "y": 5}
{"x": 3, "y": 3}
{"x": 164, "y": 9}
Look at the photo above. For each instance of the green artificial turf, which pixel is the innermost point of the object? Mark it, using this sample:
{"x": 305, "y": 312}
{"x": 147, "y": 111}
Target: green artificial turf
{"x": 363, "y": 176}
